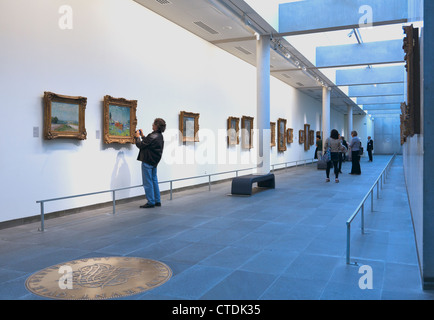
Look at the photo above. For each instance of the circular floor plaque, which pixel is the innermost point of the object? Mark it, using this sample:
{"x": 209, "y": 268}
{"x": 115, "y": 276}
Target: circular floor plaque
{"x": 98, "y": 278}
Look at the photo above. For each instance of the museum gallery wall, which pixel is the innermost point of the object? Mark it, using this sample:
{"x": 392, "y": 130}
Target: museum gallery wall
{"x": 110, "y": 53}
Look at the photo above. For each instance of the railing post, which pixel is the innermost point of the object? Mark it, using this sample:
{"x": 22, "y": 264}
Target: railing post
{"x": 372, "y": 200}
{"x": 42, "y": 218}
{"x": 114, "y": 201}
{"x": 170, "y": 190}
{"x": 378, "y": 191}
{"x": 348, "y": 241}
{"x": 209, "y": 182}
{"x": 363, "y": 218}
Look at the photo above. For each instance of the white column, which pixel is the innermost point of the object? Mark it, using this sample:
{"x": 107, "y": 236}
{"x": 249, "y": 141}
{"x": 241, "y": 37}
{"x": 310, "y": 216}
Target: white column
{"x": 263, "y": 103}
{"x": 325, "y": 113}
{"x": 350, "y": 123}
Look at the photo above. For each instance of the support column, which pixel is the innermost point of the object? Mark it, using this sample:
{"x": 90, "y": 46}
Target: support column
{"x": 325, "y": 113}
{"x": 350, "y": 123}
{"x": 263, "y": 104}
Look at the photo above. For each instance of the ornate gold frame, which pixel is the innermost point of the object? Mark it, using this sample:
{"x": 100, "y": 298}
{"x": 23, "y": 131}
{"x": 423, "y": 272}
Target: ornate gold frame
{"x": 121, "y": 102}
{"x": 290, "y": 135}
{"x": 301, "y": 136}
{"x": 272, "y": 134}
{"x": 246, "y": 133}
{"x": 281, "y": 135}
{"x": 306, "y": 137}
{"x": 49, "y": 132}
{"x": 183, "y": 116}
{"x": 236, "y": 140}
{"x": 311, "y": 137}
{"x": 411, "y": 111}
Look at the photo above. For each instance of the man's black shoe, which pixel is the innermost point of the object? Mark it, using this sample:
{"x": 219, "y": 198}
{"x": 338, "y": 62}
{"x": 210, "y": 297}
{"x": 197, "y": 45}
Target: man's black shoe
{"x": 148, "y": 205}
{"x": 158, "y": 204}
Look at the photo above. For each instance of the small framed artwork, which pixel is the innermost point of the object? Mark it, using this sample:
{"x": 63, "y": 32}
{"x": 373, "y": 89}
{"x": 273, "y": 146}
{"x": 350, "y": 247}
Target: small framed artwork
{"x": 290, "y": 135}
{"x": 306, "y": 137}
{"x": 311, "y": 137}
{"x": 273, "y": 134}
{"x": 64, "y": 116}
{"x": 189, "y": 126}
{"x": 247, "y": 132}
{"x": 233, "y": 131}
{"x": 119, "y": 120}
{"x": 301, "y": 136}
{"x": 281, "y": 134}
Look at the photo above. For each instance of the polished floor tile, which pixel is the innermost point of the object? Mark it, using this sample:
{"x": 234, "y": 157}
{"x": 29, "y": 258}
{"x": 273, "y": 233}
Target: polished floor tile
{"x": 278, "y": 244}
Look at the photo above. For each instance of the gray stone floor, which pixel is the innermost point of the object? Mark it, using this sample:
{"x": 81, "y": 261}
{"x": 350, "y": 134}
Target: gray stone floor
{"x": 283, "y": 244}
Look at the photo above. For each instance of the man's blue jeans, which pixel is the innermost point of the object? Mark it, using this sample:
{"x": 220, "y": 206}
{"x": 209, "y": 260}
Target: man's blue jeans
{"x": 150, "y": 183}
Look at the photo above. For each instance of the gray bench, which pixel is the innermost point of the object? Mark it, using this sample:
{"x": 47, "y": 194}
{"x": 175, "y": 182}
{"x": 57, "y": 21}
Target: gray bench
{"x": 243, "y": 185}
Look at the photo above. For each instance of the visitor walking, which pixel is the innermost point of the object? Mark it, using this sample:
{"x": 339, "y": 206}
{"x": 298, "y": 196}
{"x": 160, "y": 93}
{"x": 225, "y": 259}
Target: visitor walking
{"x": 335, "y": 145}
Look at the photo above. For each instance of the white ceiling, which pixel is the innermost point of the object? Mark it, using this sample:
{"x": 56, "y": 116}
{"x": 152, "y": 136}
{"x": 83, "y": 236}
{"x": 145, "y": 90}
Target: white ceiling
{"x": 230, "y": 25}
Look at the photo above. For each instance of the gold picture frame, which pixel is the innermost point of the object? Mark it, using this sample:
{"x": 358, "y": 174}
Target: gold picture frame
{"x": 64, "y": 116}
{"x": 281, "y": 134}
{"x": 273, "y": 134}
{"x": 411, "y": 109}
{"x": 247, "y": 132}
{"x": 189, "y": 126}
{"x": 306, "y": 137}
{"x": 289, "y": 135}
{"x": 300, "y": 136}
{"x": 233, "y": 131}
{"x": 311, "y": 137}
{"x": 119, "y": 118}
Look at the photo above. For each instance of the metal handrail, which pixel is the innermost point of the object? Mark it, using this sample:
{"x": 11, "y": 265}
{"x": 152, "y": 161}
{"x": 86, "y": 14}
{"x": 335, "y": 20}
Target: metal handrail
{"x": 361, "y": 206}
{"x": 113, "y": 191}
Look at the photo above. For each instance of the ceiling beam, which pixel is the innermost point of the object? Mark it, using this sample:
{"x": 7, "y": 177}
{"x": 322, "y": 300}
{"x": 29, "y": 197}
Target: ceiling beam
{"x": 361, "y": 76}
{"x": 381, "y": 52}
{"x": 376, "y": 90}
{"x": 391, "y": 106}
{"x": 380, "y": 100}
{"x": 312, "y": 16}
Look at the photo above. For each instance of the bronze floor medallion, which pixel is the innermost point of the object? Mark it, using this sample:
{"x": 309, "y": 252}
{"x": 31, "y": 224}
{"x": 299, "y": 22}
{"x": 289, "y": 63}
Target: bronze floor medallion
{"x": 98, "y": 278}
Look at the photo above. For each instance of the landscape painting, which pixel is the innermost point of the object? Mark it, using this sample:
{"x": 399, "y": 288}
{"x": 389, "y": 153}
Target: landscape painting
{"x": 119, "y": 120}
{"x": 189, "y": 126}
{"x": 64, "y": 116}
{"x": 233, "y": 131}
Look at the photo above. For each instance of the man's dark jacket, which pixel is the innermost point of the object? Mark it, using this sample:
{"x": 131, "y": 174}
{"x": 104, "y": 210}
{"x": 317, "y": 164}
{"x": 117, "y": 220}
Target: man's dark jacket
{"x": 370, "y": 145}
{"x": 151, "y": 148}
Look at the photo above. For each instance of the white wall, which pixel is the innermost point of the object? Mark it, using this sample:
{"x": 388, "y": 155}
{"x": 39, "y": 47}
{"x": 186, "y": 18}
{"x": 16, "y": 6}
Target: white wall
{"x": 119, "y": 48}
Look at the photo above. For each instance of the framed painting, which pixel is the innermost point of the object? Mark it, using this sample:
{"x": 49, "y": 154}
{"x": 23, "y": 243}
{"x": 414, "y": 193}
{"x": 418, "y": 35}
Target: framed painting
{"x": 290, "y": 135}
{"x": 306, "y": 137}
{"x": 119, "y": 120}
{"x": 64, "y": 116}
{"x": 233, "y": 131}
{"x": 189, "y": 126}
{"x": 273, "y": 134}
{"x": 300, "y": 136}
{"x": 281, "y": 134}
{"x": 247, "y": 132}
{"x": 311, "y": 137}
{"x": 411, "y": 109}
